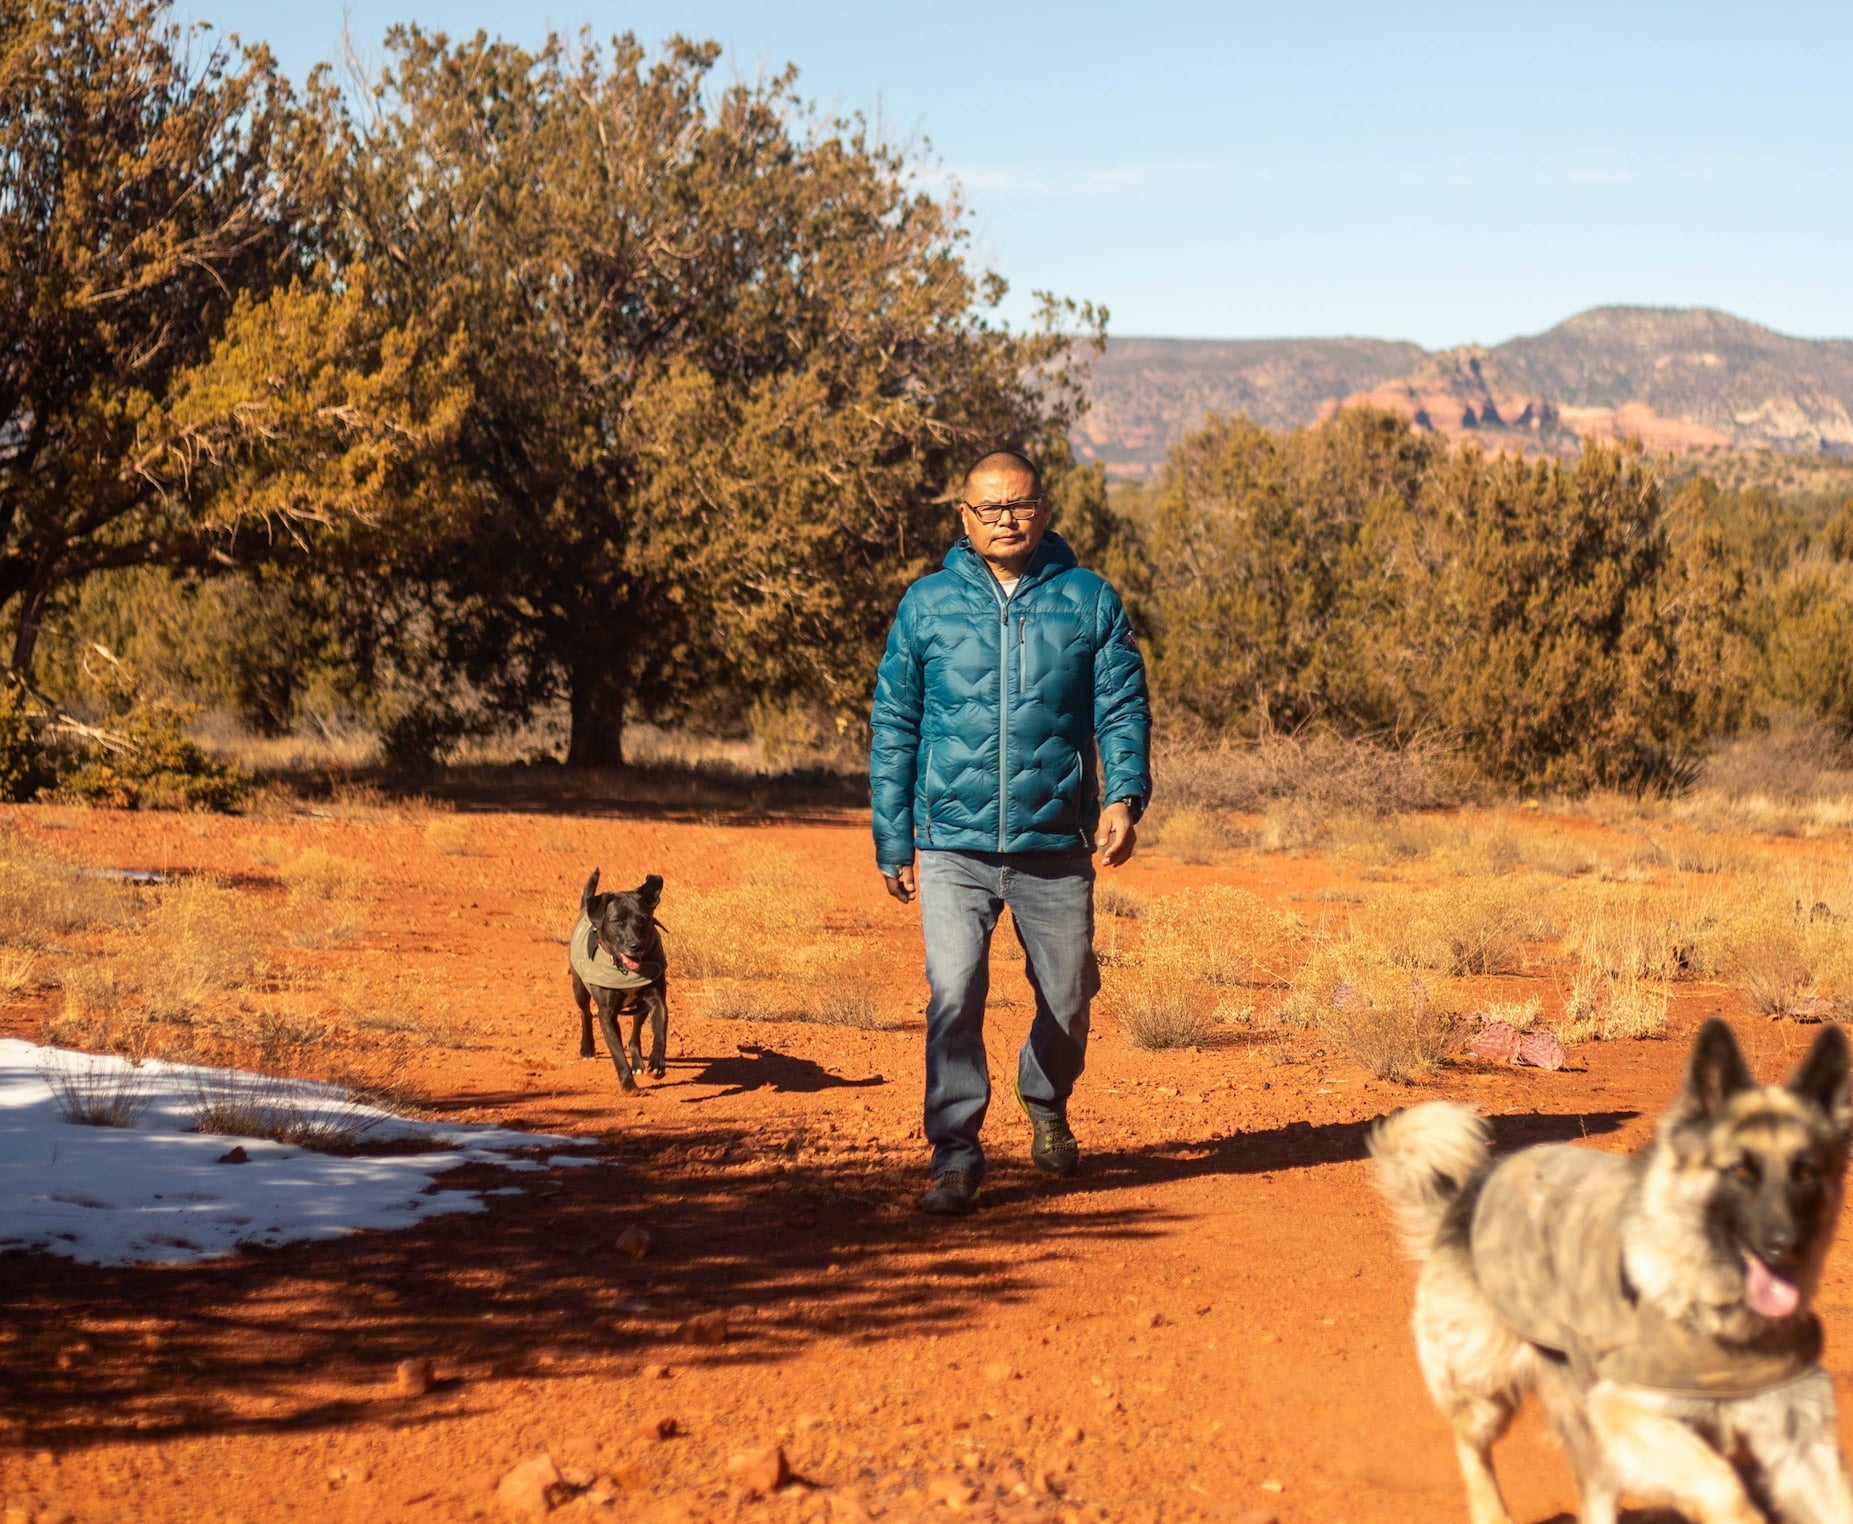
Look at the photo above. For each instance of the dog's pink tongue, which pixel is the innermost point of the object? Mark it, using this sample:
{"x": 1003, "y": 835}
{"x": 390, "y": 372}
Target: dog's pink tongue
{"x": 1768, "y": 1292}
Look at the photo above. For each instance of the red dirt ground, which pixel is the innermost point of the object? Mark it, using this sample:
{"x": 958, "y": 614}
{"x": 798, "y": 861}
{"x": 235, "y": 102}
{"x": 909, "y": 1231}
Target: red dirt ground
{"x": 1210, "y": 1319}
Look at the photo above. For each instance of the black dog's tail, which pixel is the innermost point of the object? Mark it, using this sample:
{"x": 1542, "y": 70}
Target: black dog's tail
{"x": 591, "y": 888}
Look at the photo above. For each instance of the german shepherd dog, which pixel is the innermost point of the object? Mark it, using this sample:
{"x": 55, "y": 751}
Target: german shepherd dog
{"x": 1657, "y": 1303}
{"x": 616, "y": 956}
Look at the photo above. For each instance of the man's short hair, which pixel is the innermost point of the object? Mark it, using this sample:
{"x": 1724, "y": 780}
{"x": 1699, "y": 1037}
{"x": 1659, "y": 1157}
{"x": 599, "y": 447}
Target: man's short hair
{"x": 994, "y": 460}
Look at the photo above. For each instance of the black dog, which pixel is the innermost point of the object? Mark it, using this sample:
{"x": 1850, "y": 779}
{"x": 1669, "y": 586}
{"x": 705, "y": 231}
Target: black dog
{"x": 630, "y": 977}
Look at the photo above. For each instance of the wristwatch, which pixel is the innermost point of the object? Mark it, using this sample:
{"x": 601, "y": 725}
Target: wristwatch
{"x": 1134, "y": 803}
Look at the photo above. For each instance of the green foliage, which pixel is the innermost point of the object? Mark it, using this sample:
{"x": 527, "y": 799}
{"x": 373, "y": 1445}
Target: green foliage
{"x": 147, "y": 762}
{"x": 1811, "y": 640}
{"x": 139, "y": 201}
{"x": 1358, "y": 574}
{"x": 644, "y": 391}
{"x": 18, "y": 753}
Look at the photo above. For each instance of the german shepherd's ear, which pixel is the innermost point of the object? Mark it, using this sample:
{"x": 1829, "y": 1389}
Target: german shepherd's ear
{"x": 1717, "y": 1071}
{"x": 1821, "y": 1077}
{"x": 651, "y": 890}
{"x": 588, "y": 894}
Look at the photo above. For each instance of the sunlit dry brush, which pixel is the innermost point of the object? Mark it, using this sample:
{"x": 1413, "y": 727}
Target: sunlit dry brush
{"x": 1789, "y": 780}
{"x": 268, "y": 851}
{"x": 454, "y": 837}
{"x": 755, "y": 929}
{"x": 840, "y": 983}
{"x": 95, "y": 1092}
{"x": 1119, "y": 901}
{"x": 1785, "y": 944}
{"x": 1606, "y": 1005}
{"x": 328, "y": 896}
{"x": 1331, "y": 775}
{"x": 1192, "y": 834}
{"x": 44, "y": 898}
{"x": 1397, "y": 1024}
{"x": 1456, "y": 926}
{"x": 1193, "y": 946}
{"x": 200, "y": 940}
{"x": 1162, "y": 1001}
{"x": 1218, "y": 935}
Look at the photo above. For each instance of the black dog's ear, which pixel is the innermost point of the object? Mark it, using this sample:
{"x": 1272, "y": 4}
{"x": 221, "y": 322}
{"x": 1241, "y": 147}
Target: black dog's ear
{"x": 651, "y": 890}
{"x": 1822, "y": 1076}
{"x": 587, "y": 895}
{"x": 1716, "y": 1072}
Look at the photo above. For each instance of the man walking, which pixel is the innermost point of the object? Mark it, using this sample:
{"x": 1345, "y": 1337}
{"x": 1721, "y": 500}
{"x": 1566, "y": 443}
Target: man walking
{"x": 1005, "y": 672}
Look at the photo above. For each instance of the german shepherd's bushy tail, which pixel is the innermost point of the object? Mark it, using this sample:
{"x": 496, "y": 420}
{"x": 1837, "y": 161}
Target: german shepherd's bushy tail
{"x": 1425, "y": 1155}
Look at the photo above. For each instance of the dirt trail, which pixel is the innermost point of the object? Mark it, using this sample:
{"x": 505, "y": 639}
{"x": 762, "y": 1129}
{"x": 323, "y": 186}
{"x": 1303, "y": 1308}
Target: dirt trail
{"x": 1212, "y": 1318}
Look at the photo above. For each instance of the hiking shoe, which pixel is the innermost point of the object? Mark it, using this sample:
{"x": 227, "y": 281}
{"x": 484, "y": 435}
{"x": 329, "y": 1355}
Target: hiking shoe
{"x": 1053, "y": 1149}
{"x": 954, "y": 1193}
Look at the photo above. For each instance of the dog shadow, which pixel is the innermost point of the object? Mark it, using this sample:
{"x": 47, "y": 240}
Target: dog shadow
{"x": 754, "y": 1068}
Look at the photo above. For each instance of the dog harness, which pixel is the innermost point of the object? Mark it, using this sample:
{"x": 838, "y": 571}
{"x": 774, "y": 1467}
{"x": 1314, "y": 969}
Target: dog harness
{"x": 597, "y": 969}
{"x": 1547, "y": 1252}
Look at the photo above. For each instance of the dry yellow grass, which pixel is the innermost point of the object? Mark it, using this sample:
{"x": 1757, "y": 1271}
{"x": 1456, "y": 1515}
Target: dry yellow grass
{"x": 1117, "y": 900}
{"x": 843, "y": 979}
{"x": 268, "y": 851}
{"x": 1460, "y": 926}
{"x": 454, "y": 837}
{"x": 328, "y": 895}
{"x": 1395, "y": 1023}
{"x": 44, "y": 898}
{"x": 200, "y": 940}
{"x": 1216, "y": 934}
{"x": 18, "y": 970}
{"x": 754, "y": 930}
{"x": 318, "y": 874}
{"x": 1192, "y": 834}
{"x": 1163, "y": 1002}
{"x": 1604, "y": 1006}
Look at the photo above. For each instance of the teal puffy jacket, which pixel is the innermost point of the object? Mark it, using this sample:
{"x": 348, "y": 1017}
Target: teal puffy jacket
{"x": 989, "y": 712}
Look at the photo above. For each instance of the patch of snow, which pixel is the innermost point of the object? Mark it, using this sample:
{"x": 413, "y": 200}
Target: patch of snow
{"x": 156, "y": 1193}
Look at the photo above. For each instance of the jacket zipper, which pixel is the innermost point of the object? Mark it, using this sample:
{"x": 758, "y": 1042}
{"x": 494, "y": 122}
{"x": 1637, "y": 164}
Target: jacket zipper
{"x": 927, "y": 792}
{"x": 1022, "y": 684}
{"x": 1003, "y": 720}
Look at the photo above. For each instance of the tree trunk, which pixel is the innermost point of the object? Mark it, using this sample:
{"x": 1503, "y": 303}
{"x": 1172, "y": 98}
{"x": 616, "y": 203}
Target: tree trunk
{"x": 599, "y": 689}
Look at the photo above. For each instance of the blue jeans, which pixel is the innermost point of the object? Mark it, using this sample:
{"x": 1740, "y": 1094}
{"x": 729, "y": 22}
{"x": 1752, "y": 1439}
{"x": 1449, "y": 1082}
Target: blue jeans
{"x": 1051, "y": 900}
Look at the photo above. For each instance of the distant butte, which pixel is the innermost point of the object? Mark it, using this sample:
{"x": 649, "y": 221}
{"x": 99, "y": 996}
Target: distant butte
{"x": 1676, "y": 379}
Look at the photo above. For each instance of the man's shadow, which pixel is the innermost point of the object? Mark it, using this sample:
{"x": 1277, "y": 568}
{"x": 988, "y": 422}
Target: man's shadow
{"x": 756, "y": 1068}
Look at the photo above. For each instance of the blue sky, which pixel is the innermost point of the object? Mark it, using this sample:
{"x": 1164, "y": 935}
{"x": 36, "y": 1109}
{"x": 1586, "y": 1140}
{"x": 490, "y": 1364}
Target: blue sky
{"x": 1443, "y": 173}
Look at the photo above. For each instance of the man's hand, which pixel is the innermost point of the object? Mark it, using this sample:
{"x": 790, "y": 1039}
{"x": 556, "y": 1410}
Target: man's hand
{"x": 1117, "y": 835}
{"x": 900, "y": 882}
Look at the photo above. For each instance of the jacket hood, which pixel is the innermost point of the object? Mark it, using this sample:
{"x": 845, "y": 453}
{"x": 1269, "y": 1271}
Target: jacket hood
{"x": 1050, "y": 557}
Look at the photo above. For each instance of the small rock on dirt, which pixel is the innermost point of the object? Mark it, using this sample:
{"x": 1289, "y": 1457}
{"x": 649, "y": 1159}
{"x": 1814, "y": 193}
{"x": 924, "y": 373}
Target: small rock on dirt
{"x": 655, "y": 1372}
{"x": 1270, "y": 1485}
{"x": 761, "y": 1470}
{"x": 1255, "y": 1516}
{"x": 634, "y": 1242}
{"x": 999, "y": 1370}
{"x": 661, "y": 1428}
{"x": 236, "y": 1156}
{"x": 532, "y": 1488}
{"x": 412, "y": 1378}
{"x": 704, "y": 1328}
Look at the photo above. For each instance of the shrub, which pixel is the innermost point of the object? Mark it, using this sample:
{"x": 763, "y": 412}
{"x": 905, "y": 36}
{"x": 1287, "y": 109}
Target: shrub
{"x": 1608, "y": 1007}
{"x": 150, "y": 764}
{"x": 1469, "y": 926}
{"x": 234, "y": 1104}
{"x": 1398, "y": 1025}
{"x": 1327, "y": 774}
{"x": 318, "y": 874}
{"x": 1215, "y": 934}
{"x": 453, "y": 837}
{"x": 1192, "y": 835}
{"x": 93, "y": 1091}
{"x": 201, "y": 940}
{"x": 1116, "y": 899}
{"x": 1163, "y": 1003}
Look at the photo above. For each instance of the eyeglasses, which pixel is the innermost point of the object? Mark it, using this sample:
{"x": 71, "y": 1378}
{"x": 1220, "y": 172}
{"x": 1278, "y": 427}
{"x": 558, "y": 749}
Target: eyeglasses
{"x": 1021, "y": 511}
